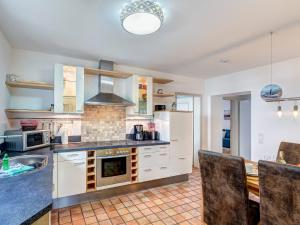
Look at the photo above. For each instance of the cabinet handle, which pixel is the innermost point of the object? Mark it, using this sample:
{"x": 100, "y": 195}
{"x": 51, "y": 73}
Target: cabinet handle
{"x": 78, "y": 164}
{"x": 72, "y": 155}
{"x": 147, "y": 156}
{"x": 163, "y": 167}
{"x": 162, "y": 147}
{"x": 182, "y": 158}
{"x": 148, "y": 170}
{"x": 162, "y": 154}
{"x": 174, "y": 140}
{"x": 147, "y": 148}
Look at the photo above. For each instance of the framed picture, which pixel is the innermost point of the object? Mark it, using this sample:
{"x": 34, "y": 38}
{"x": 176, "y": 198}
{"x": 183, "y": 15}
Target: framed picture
{"x": 226, "y": 114}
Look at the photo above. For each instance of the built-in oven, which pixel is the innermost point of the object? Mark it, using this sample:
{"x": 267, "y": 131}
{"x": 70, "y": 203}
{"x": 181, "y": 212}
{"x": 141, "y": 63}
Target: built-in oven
{"x": 113, "y": 167}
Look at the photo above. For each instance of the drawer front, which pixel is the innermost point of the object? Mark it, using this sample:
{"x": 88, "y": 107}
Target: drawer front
{"x": 146, "y": 174}
{"x": 163, "y": 158}
{"x": 163, "y": 148}
{"x": 68, "y": 156}
{"x": 147, "y": 149}
{"x": 147, "y": 159}
{"x": 163, "y": 171}
{"x": 181, "y": 165}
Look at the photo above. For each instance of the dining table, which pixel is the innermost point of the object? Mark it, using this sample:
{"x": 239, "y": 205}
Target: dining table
{"x": 252, "y": 178}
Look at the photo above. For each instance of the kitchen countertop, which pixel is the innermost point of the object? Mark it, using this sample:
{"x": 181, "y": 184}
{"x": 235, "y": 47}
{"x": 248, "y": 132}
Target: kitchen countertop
{"x": 25, "y": 198}
{"x": 83, "y": 146}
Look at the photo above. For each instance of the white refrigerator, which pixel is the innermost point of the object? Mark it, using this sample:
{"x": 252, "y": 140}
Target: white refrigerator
{"x": 177, "y": 128}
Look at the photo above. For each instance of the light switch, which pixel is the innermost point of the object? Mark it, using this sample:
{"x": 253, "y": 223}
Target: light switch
{"x": 261, "y": 138}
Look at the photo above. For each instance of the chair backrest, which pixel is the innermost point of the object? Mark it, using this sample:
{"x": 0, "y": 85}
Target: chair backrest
{"x": 225, "y": 194}
{"x": 279, "y": 193}
{"x": 291, "y": 152}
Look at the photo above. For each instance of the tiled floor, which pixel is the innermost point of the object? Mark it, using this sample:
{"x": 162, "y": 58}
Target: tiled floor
{"x": 174, "y": 204}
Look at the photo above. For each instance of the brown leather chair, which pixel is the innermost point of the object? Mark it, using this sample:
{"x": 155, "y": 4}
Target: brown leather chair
{"x": 225, "y": 193}
{"x": 279, "y": 193}
{"x": 291, "y": 152}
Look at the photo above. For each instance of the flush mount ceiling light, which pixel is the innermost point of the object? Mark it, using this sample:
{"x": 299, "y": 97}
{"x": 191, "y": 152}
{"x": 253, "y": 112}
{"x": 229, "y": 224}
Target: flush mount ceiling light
{"x": 142, "y": 17}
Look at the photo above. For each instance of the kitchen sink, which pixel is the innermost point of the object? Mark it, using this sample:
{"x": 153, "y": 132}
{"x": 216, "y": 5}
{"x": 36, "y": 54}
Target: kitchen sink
{"x": 38, "y": 162}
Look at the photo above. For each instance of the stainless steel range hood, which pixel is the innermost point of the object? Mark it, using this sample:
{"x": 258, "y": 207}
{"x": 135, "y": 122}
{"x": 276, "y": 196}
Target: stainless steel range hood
{"x": 106, "y": 95}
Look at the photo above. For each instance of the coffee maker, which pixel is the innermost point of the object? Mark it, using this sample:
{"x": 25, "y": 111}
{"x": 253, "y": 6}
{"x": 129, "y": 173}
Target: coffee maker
{"x": 138, "y": 132}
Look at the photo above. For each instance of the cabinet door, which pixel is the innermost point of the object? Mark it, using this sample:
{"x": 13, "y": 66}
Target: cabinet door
{"x": 71, "y": 177}
{"x": 149, "y": 81}
{"x": 80, "y": 90}
{"x": 147, "y": 174}
{"x": 54, "y": 187}
{"x": 181, "y": 133}
{"x": 68, "y": 89}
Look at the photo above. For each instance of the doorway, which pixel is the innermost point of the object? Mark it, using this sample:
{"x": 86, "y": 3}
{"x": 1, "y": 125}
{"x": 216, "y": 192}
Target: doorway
{"x": 192, "y": 103}
{"x": 236, "y": 132}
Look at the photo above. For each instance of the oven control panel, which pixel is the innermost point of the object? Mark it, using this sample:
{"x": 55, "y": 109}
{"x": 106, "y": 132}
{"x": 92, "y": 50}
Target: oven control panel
{"x": 113, "y": 152}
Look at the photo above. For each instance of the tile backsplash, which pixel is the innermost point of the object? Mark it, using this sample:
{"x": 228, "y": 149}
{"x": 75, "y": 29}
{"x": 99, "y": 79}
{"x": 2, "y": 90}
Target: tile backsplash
{"x": 98, "y": 123}
{"x": 103, "y": 123}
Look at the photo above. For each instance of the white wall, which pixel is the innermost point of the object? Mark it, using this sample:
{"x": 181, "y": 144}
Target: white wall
{"x": 245, "y": 129}
{"x": 264, "y": 121}
{"x": 5, "y": 54}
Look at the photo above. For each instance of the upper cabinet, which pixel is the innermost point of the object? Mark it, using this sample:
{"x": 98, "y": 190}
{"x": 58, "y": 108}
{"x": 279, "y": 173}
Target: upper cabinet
{"x": 138, "y": 89}
{"x": 68, "y": 89}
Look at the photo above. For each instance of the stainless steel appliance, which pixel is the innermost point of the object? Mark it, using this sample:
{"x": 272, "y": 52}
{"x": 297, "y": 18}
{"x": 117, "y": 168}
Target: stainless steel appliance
{"x": 138, "y": 132}
{"x": 20, "y": 141}
{"x": 113, "y": 167}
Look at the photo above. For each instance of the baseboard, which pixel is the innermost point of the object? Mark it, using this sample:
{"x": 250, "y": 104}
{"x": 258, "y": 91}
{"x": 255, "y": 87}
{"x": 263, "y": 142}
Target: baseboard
{"x": 108, "y": 193}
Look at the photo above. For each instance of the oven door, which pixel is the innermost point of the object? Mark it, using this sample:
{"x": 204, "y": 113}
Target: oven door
{"x": 113, "y": 170}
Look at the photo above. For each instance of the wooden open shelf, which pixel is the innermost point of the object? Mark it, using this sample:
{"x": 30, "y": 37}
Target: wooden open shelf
{"x": 26, "y": 111}
{"x": 91, "y": 171}
{"x": 30, "y": 84}
{"x": 162, "y": 81}
{"x": 113, "y": 74}
{"x": 134, "y": 165}
{"x": 163, "y": 95}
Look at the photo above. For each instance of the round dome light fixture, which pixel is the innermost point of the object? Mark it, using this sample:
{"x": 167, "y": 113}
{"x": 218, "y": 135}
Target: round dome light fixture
{"x": 142, "y": 17}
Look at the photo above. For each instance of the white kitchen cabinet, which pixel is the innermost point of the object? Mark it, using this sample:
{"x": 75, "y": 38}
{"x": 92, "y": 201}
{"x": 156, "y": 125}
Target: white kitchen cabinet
{"x": 139, "y": 90}
{"x": 153, "y": 162}
{"x": 54, "y": 186}
{"x": 71, "y": 175}
{"x": 68, "y": 89}
{"x": 177, "y": 127}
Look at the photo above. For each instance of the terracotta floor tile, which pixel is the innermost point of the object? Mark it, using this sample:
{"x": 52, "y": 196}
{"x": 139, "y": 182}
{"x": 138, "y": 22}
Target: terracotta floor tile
{"x": 117, "y": 220}
{"x": 79, "y": 222}
{"x": 65, "y": 219}
{"x": 91, "y": 220}
{"x": 128, "y": 217}
{"x": 105, "y": 222}
{"x": 102, "y": 217}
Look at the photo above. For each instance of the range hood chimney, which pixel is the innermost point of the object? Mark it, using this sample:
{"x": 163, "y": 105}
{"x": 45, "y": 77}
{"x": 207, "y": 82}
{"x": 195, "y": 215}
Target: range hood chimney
{"x": 106, "y": 95}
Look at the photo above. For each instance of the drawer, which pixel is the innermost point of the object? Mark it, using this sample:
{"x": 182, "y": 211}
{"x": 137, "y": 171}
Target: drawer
{"x": 163, "y": 171}
{"x": 147, "y": 149}
{"x": 147, "y": 159}
{"x": 163, "y": 157}
{"x": 68, "y": 156}
{"x": 147, "y": 174}
{"x": 163, "y": 147}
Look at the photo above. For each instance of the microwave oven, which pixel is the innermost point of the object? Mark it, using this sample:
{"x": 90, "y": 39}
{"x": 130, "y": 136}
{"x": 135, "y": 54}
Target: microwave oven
{"x": 22, "y": 141}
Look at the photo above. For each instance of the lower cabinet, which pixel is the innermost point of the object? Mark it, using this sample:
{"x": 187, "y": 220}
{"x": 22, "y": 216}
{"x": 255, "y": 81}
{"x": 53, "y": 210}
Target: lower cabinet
{"x": 181, "y": 165}
{"x": 71, "y": 175}
{"x": 153, "y": 162}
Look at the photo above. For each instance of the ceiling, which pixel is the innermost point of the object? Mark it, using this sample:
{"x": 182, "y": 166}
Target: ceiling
{"x": 195, "y": 35}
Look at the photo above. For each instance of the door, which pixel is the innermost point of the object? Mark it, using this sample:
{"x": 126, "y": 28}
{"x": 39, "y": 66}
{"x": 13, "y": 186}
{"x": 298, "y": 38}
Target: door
{"x": 71, "y": 177}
